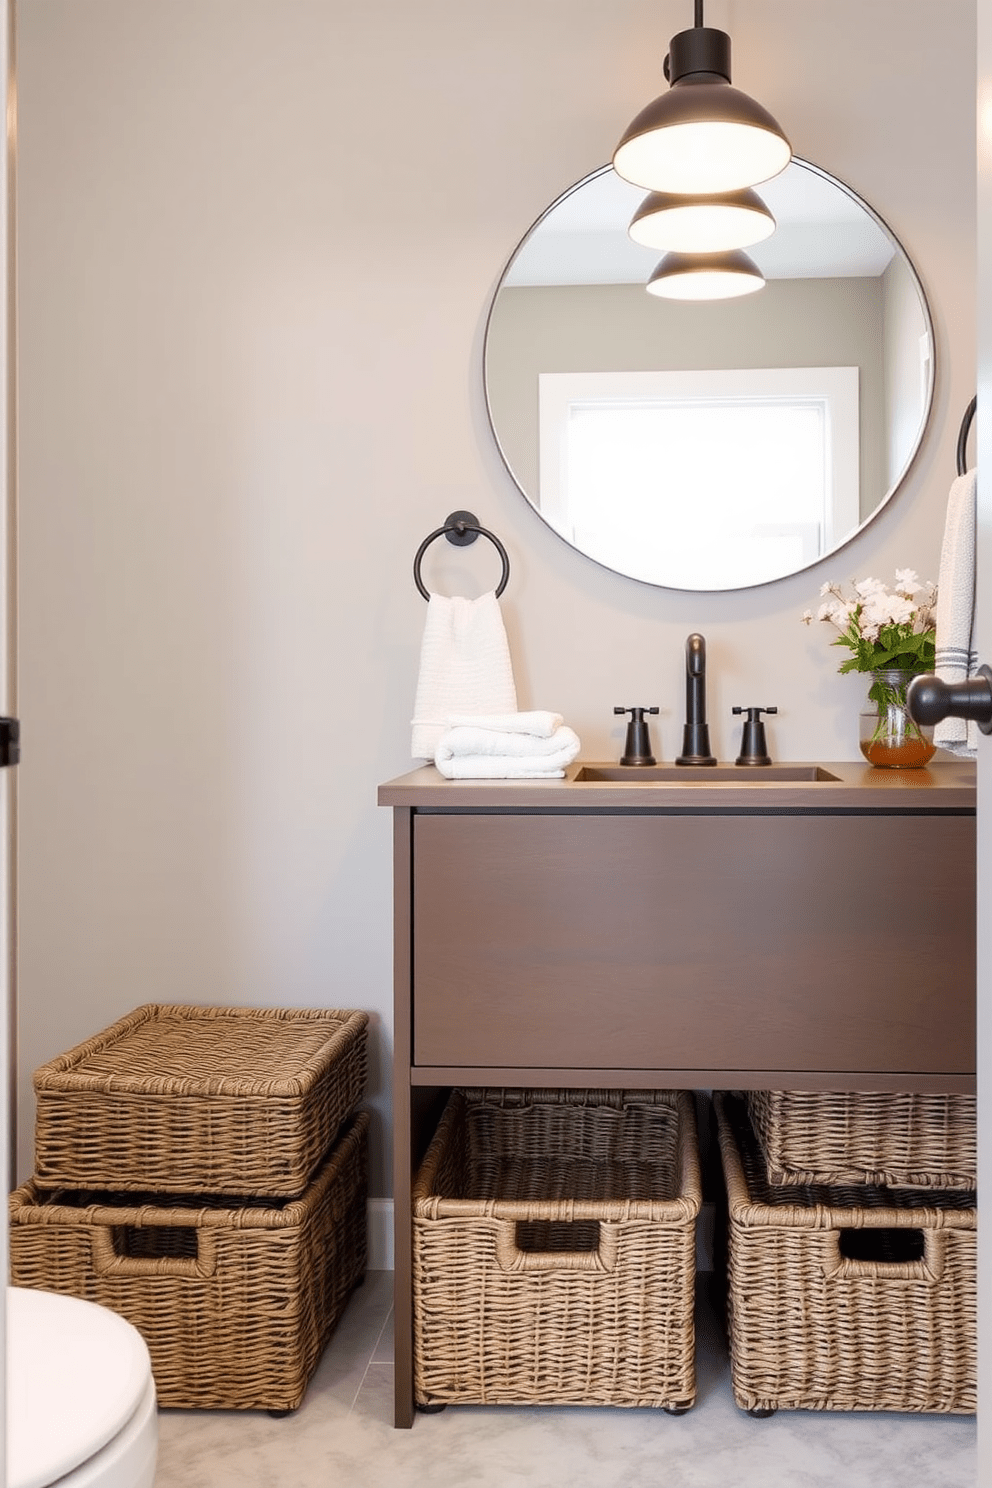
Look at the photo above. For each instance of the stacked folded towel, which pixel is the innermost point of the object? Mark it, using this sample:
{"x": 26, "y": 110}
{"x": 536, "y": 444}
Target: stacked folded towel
{"x": 506, "y": 746}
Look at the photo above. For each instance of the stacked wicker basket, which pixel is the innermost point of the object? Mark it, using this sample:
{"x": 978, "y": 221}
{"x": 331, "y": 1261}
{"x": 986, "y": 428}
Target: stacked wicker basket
{"x": 852, "y": 1243}
{"x": 203, "y": 1172}
{"x": 554, "y": 1250}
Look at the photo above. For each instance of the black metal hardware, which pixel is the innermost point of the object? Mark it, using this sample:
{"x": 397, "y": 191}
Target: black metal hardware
{"x": 10, "y": 742}
{"x": 964, "y": 431}
{"x": 696, "y": 734}
{"x": 461, "y": 528}
{"x": 930, "y": 700}
{"x": 637, "y": 749}
{"x": 703, "y": 49}
{"x": 754, "y": 750}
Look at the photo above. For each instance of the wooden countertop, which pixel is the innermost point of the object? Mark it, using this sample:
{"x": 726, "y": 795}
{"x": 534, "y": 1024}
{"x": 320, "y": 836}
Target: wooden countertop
{"x": 944, "y": 786}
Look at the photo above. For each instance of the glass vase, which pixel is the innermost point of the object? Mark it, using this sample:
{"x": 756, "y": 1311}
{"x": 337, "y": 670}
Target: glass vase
{"x": 889, "y": 737}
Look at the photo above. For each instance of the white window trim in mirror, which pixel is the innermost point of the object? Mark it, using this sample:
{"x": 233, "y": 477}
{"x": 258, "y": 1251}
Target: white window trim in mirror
{"x": 670, "y": 534}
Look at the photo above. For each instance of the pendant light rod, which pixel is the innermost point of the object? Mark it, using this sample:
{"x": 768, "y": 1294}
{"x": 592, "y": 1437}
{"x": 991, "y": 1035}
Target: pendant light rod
{"x": 699, "y": 12}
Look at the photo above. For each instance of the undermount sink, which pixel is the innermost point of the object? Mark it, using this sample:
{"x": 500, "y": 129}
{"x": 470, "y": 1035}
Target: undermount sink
{"x": 699, "y": 774}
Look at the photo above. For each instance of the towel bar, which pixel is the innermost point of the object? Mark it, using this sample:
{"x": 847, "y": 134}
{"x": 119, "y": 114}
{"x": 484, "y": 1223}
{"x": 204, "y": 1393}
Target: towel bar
{"x": 963, "y": 433}
{"x": 461, "y": 528}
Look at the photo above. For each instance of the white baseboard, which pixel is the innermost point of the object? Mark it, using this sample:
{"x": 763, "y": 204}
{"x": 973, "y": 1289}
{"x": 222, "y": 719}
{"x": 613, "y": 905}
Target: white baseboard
{"x": 381, "y": 1236}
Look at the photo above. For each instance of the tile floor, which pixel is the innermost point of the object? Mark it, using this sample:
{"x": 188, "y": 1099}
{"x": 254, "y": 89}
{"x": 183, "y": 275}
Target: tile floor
{"x": 343, "y": 1435}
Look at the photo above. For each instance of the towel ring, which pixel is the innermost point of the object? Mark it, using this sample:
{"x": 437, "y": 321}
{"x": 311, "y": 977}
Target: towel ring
{"x": 965, "y": 430}
{"x": 461, "y": 528}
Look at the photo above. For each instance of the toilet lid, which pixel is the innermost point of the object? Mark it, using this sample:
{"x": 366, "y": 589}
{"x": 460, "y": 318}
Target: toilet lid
{"x": 76, "y": 1373}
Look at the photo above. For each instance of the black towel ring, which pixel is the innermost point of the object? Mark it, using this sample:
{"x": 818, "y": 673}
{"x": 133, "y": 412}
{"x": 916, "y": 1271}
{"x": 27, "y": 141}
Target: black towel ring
{"x": 461, "y": 528}
{"x": 965, "y": 430}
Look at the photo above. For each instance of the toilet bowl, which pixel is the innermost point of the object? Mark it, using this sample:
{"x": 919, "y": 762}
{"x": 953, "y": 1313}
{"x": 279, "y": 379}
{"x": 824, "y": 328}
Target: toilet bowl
{"x": 81, "y": 1410}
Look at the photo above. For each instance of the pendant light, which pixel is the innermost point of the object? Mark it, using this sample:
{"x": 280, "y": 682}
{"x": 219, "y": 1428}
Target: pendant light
{"x": 702, "y": 136}
{"x": 705, "y": 276}
{"x": 701, "y": 224}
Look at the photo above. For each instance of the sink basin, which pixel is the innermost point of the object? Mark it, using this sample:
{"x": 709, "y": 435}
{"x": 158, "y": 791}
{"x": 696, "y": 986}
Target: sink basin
{"x": 699, "y": 774}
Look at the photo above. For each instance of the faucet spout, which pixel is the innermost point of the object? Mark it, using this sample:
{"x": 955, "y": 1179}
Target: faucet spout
{"x": 696, "y": 734}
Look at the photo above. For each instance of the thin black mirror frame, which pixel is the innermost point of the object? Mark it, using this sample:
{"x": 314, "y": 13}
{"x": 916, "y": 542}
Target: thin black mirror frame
{"x": 838, "y": 547}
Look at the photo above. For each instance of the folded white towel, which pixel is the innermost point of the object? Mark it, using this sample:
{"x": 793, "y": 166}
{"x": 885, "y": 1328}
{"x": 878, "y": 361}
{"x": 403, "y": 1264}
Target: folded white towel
{"x": 537, "y": 722}
{"x": 545, "y": 759}
{"x": 465, "y": 739}
{"x": 956, "y": 658}
{"x": 464, "y": 667}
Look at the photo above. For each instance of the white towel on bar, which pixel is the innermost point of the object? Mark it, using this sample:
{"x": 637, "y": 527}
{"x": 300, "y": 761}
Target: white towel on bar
{"x": 956, "y": 658}
{"x": 537, "y": 722}
{"x": 465, "y": 667}
{"x": 467, "y": 753}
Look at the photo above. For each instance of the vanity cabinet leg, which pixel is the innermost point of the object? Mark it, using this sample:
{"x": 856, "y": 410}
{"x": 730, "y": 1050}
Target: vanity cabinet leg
{"x": 403, "y": 1154}
{"x": 403, "y": 1320}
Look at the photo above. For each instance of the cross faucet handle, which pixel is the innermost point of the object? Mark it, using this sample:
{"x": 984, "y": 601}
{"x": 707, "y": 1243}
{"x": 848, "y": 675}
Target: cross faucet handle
{"x": 637, "y": 749}
{"x": 754, "y": 750}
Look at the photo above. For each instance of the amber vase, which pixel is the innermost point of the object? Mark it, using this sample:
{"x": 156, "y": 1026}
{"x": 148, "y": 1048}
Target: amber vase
{"x": 890, "y": 738}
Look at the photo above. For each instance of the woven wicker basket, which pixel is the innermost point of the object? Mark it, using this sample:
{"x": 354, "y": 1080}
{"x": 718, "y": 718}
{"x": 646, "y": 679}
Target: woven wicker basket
{"x": 554, "y": 1250}
{"x": 900, "y": 1140}
{"x": 851, "y": 1299}
{"x": 212, "y": 1100}
{"x": 235, "y": 1304}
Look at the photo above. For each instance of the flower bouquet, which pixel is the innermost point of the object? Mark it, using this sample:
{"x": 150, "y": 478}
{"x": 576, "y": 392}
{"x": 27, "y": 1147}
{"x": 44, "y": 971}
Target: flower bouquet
{"x": 891, "y": 633}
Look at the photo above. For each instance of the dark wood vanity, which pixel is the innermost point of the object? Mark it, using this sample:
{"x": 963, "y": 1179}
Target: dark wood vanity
{"x": 736, "y": 933}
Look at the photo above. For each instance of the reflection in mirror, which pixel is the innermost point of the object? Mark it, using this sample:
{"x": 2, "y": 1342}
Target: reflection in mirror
{"x": 714, "y": 444}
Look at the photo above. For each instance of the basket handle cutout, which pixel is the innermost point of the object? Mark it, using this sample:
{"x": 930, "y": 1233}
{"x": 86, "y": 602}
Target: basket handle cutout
{"x": 897, "y": 1254}
{"x": 153, "y": 1250}
{"x": 557, "y": 1245}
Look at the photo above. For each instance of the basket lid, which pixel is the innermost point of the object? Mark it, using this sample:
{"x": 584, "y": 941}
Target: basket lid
{"x": 183, "y": 1049}
{"x": 76, "y": 1375}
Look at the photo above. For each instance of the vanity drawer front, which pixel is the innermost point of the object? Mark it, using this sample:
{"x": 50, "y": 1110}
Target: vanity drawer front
{"x": 694, "y": 942}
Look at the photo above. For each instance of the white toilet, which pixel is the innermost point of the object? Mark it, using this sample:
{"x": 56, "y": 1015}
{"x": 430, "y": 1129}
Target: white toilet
{"x": 81, "y": 1408}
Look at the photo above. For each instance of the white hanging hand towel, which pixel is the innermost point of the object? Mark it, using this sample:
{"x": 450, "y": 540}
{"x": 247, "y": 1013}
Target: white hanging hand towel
{"x": 956, "y": 658}
{"x": 466, "y": 753}
{"x": 465, "y": 667}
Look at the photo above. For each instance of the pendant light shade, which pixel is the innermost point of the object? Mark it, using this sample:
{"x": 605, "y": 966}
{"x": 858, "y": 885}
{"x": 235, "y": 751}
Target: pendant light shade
{"x": 701, "y": 224}
{"x": 705, "y": 276}
{"x": 702, "y": 136}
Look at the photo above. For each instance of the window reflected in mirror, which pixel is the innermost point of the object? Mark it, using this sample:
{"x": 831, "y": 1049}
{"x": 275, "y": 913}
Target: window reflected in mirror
{"x": 713, "y": 444}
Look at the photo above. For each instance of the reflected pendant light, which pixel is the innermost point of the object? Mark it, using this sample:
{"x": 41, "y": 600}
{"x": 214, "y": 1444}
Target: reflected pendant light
{"x": 705, "y": 276}
{"x": 702, "y": 136}
{"x": 701, "y": 224}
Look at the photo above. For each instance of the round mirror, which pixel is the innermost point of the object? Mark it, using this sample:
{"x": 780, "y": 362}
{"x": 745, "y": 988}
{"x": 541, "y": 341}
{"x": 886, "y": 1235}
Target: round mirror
{"x": 709, "y": 444}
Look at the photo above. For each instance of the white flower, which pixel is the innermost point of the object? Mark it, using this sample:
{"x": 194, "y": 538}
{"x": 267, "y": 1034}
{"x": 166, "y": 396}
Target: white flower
{"x": 907, "y": 581}
{"x": 885, "y": 609}
{"x": 875, "y": 611}
{"x": 837, "y": 611}
{"x": 807, "y": 616}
